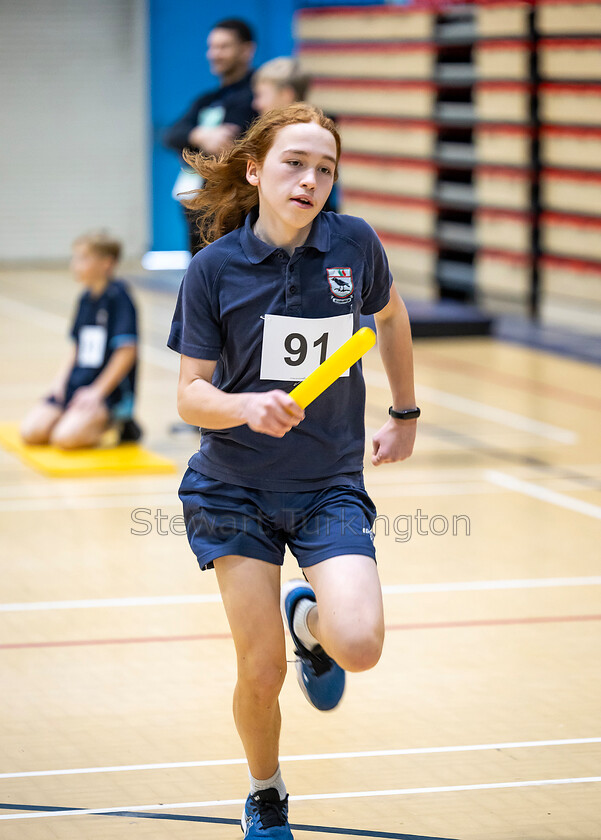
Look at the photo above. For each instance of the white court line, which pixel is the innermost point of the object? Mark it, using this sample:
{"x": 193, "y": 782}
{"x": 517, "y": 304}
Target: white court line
{"x": 491, "y": 585}
{"x": 360, "y": 794}
{"x": 481, "y": 410}
{"x": 131, "y": 500}
{"x": 223, "y": 762}
{"x": 542, "y": 493}
{"x": 438, "y": 488}
{"x": 392, "y": 589}
{"x": 34, "y": 315}
{"x": 102, "y": 486}
{"x": 95, "y": 603}
{"x": 166, "y": 359}
{"x": 22, "y": 390}
{"x": 496, "y": 415}
{"x": 143, "y": 498}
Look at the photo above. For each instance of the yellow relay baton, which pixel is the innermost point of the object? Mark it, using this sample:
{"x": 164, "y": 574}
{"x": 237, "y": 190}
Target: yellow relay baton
{"x": 333, "y": 367}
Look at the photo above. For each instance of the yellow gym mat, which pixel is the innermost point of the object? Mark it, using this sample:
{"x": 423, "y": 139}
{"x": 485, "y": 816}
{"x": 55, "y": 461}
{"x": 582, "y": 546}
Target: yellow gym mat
{"x": 122, "y": 459}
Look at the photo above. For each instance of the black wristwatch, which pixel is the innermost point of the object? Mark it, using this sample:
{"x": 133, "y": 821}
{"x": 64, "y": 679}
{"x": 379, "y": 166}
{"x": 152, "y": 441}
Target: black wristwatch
{"x": 407, "y": 414}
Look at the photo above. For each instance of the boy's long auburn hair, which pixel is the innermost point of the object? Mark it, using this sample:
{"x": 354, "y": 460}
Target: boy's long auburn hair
{"x": 227, "y": 197}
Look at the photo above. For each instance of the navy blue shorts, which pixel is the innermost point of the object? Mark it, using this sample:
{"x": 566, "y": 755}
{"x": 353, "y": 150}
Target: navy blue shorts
{"x": 224, "y": 519}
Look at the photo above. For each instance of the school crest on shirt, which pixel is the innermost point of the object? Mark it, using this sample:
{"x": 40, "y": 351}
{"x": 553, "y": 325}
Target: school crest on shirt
{"x": 341, "y": 284}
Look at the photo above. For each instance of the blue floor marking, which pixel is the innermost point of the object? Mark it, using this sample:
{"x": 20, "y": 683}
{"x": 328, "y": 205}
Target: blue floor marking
{"x": 146, "y": 815}
{"x": 8, "y": 807}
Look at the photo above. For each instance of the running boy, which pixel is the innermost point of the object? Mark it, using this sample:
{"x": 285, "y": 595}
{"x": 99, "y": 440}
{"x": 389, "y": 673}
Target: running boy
{"x": 95, "y": 388}
{"x": 279, "y": 287}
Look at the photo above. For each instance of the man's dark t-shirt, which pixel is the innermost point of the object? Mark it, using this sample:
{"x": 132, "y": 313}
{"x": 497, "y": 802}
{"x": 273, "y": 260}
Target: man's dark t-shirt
{"x": 227, "y": 104}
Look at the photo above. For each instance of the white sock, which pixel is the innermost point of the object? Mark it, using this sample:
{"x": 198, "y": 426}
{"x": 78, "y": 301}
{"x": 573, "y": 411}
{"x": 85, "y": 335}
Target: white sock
{"x": 299, "y": 623}
{"x": 275, "y": 781}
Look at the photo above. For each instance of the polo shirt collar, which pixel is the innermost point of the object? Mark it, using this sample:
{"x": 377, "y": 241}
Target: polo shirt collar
{"x": 256, "y": 250}
{"x": 319, "y": 236}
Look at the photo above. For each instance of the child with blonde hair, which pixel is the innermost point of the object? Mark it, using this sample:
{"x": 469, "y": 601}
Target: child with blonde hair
{"x": 279, "y": 83}
{"x": 95, "y": 388}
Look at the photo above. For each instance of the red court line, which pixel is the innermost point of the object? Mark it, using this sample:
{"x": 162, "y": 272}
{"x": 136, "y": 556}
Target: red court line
{"x": 126, "y": 641}
{"x": 205, "y": 637}
{"x": 494, "y": 622}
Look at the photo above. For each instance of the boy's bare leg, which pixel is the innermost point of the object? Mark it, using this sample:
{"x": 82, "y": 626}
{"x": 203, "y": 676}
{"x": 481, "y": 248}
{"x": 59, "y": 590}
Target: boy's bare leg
{"x": 37, "y": 426}
{"x": 80, "y": 427}
{"x": 250, "y": 590}
{"x": 348, "y": 620}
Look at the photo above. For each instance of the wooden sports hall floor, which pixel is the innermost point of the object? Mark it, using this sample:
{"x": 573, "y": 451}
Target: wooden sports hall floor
{"x": 482, "y": 720}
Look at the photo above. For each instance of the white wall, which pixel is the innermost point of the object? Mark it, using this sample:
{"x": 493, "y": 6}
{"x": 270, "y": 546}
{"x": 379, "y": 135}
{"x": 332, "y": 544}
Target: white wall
{"x": 73, "y": 124}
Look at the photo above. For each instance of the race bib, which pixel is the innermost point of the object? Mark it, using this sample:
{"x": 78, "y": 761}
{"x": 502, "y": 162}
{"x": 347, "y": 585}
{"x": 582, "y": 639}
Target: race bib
{"x": 91, "y": 346}
{"x": 294, "y": 347}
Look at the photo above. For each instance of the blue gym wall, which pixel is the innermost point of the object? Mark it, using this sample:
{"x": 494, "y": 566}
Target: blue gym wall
{"x": 179, "y": 73}
{"x": 178, "y": 31}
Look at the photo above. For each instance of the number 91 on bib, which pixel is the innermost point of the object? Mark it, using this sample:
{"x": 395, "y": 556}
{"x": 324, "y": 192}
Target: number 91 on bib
{"x": 294, "y": 347}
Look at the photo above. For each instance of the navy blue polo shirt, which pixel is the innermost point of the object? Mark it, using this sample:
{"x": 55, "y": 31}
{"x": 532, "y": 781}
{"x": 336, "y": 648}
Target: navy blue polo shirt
{"x": 228, "y": 289}
{"x": 115, "y": 313}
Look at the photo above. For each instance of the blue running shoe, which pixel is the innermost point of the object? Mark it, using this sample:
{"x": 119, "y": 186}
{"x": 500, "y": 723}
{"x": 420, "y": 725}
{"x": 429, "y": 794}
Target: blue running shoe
{"x": 320, "y": 678}
{"x": 265, "y": 816}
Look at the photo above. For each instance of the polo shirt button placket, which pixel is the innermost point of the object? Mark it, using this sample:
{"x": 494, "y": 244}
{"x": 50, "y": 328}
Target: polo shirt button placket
{"x": 292, "y": 294}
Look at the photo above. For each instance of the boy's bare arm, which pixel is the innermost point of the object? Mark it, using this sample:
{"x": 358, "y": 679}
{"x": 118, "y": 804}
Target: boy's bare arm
{"x": 59, "y": 383}
{"x": 396, "y": 350}
{"x": 395, "y": 440}
{"x": 200, "y": 403}
{"x": 119, "y": 365}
